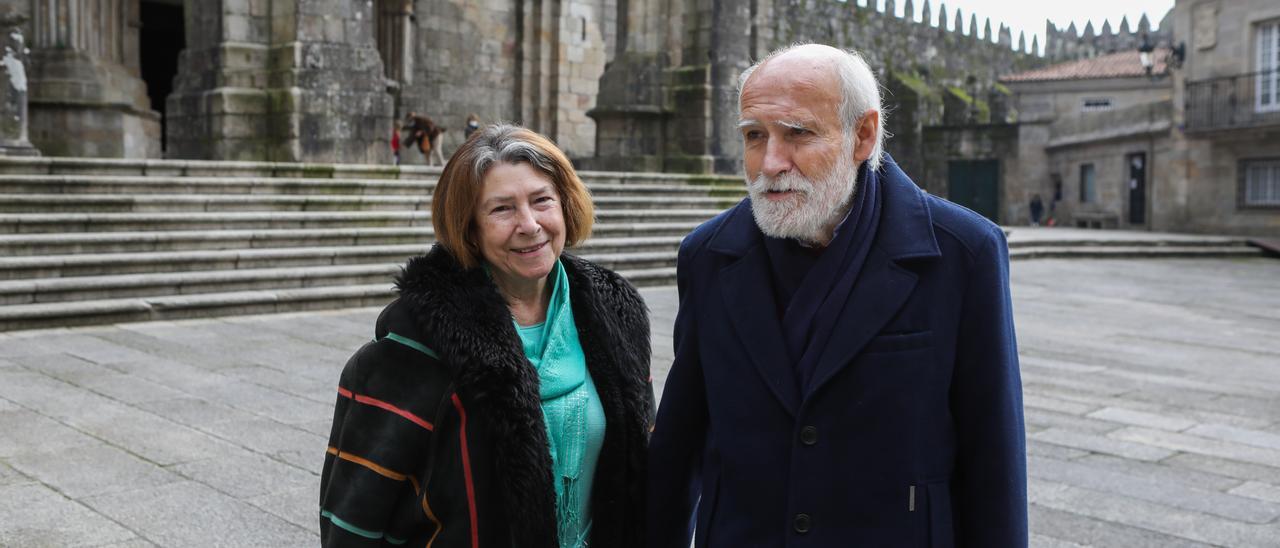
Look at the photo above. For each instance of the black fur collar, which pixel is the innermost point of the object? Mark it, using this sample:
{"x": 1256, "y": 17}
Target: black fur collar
{"x": 461, "y": 315}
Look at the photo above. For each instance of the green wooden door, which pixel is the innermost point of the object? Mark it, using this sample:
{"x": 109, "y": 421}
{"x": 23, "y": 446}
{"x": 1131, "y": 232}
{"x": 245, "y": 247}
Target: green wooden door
{"x": 975, "y": 184}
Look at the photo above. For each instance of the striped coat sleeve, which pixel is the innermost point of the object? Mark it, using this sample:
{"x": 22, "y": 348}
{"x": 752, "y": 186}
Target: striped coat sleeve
{"x": 388, "y": 396}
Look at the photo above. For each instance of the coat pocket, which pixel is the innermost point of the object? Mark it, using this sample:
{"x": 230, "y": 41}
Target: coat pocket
{"x": 898, "y": 342}
{"x": 938, "y": 501}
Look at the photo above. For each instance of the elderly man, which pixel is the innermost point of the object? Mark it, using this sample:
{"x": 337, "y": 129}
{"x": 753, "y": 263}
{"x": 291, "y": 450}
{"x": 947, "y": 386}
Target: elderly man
{"x": 845, "y": 370}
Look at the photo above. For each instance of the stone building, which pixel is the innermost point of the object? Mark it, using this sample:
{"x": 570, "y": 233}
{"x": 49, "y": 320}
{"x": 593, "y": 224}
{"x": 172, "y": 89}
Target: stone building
{"x": 1226, "y": 167}
{"x": 1092, "y": 136}
{"x": 619, "y": 84}
{"x": 304, "y": 80}
{"x": 1192, "y": 144}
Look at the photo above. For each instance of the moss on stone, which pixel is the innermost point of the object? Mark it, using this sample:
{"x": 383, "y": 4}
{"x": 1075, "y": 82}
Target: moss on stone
{"x": 960, "y": 93}
{"x": 914, "y": 83}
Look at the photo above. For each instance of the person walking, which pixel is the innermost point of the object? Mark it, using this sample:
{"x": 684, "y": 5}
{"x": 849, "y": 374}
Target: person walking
{"x": 505, "y": 399}
{"x": 845, "y": 371}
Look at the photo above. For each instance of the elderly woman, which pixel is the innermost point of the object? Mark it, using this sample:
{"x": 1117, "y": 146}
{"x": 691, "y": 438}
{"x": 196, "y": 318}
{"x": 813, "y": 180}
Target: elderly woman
{"x": 505, "y": 399}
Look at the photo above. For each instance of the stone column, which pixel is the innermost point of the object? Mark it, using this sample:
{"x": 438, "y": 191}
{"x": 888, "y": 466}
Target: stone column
{"x": 703, "y": 136}
{"x": 562, "y": 54}
{"x": 281, "y": 80}
{"x": 631, "y": 110}
{"x": 13, "y": 89}
{"x": 86, "y": 96}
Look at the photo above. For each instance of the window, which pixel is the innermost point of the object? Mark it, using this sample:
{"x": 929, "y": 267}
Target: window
{"x": 1088, "y": 184}
{"x": 1268, "y": 86}
{"x": 1095, "y": 104}
{"x": 1261, "y": 182}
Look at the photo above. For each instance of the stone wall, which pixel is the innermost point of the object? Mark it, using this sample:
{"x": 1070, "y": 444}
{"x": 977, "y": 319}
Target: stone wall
{"x": 85, "y": 96}
{"x": 1064, "y": 99}
{"x": 997, "y": 142}
{"x": 280, "y": 80}
{"x": 695, "y": 121}
{"x": 533, "y": 62}
{"x": 1111, "y": 179}
{"x": 1203, "y": 187}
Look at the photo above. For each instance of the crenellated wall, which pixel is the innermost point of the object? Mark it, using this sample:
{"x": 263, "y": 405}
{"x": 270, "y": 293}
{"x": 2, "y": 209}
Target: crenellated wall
{"x": 676, "y": 107}
{"x": 1069, "y": 43}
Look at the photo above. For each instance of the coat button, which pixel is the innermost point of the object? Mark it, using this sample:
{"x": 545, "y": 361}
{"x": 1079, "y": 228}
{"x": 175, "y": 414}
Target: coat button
{"x": 809, "y": 435}
{"x": 802, "y": 523}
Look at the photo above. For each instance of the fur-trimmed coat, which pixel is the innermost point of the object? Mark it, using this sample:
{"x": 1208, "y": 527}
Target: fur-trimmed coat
{"x": 438, "y": 436}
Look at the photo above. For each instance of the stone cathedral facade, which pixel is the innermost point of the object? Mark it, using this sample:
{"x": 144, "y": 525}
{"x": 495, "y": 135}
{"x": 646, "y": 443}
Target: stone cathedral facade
{"x": 619, "y": 84}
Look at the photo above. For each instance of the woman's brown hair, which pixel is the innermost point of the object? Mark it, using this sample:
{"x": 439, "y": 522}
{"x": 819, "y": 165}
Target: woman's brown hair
{"x": 453, "y": 206}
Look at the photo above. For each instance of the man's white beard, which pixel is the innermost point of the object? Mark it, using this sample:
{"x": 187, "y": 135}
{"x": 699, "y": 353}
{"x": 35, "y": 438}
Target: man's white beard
{"x": 813, "y": 210}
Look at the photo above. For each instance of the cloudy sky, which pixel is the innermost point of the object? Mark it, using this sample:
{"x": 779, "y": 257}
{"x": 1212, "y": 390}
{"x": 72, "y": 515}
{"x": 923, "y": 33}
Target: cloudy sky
{"x": 1030, "y": 15}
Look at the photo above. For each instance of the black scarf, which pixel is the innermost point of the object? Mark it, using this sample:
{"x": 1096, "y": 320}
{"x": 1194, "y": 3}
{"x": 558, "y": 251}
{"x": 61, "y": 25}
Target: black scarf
{"x": 810, "y": 309}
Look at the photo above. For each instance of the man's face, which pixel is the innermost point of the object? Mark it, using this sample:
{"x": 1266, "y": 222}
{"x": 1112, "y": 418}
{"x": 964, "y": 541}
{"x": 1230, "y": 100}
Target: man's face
{"x": 800, "y": 171}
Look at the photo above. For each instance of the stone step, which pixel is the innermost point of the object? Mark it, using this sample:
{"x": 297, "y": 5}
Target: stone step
{"x": 27, "y": 297}
{"x": 159, "y": 203}
{"x": 16, "y": 245}
{"x": 172, "y": 307}
{"x": 1146, "y": 242}
{"x": 82, "y": 288}
{"x": 45, "y": 223}
{"x": 104, "y": 264}
{"x": 52, "y": 165}
{"x": 1133, "y": 252}
{"x": 55, "y": 165}
{"x": 142, "y": 185}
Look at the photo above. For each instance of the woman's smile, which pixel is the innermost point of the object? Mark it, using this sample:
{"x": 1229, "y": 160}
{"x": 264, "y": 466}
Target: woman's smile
{"x": 531, "y": 250}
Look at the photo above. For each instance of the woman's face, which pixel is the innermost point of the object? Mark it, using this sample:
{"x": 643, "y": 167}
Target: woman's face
{"x": 519, "y": 222}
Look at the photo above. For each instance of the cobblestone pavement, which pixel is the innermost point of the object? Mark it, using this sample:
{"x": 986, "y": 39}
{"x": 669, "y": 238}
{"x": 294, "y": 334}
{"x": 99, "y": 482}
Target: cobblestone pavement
{"x": 1152, "y": 402}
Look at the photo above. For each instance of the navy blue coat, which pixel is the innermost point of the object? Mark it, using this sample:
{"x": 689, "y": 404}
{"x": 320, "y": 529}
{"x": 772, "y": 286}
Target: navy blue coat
{"x": 911, "y": 432}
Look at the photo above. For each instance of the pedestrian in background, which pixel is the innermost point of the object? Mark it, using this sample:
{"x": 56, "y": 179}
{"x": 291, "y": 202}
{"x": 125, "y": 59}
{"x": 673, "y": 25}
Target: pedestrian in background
{"x": 395, "y": 143}
{"x": 473, "y": 124}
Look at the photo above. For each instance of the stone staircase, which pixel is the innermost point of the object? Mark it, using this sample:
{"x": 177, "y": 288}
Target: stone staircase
{"x": 86, "y": 241}
{"x": 1049, "y": 243}
{"x": 90, "y": 241}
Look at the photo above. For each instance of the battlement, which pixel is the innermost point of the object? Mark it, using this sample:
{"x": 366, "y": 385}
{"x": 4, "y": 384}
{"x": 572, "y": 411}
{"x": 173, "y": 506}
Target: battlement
{"x": 936, "y": 45}
{"x": 1069, "y": 43}
{"x": 944, "y": 21}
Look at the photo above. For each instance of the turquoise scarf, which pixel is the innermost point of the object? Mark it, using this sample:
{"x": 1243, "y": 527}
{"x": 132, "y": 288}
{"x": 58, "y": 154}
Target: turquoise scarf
{"x": 568, "y": 396}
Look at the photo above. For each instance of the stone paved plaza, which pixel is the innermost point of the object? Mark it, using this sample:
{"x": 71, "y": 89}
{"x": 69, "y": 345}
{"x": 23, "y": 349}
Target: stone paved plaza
{"x": 1152, "y": 392}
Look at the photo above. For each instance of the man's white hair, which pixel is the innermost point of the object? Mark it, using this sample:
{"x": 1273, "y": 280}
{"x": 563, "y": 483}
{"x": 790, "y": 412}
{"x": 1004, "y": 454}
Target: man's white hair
{"x": 859, "y": 92}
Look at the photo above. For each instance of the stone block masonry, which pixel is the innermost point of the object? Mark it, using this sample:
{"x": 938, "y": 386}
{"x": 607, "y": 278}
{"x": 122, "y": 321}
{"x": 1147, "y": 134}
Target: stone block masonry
{"x": 294, "y": 81}
{"x": 700, "y": 48}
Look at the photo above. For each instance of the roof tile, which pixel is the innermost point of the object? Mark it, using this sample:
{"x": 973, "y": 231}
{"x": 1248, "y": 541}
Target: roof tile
{"x": 1123, "y": 64}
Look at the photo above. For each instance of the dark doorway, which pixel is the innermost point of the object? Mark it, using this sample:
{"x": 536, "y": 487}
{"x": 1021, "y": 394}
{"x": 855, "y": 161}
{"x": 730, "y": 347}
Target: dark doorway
{"x": 975, "y": 184}
{"x": 160, "y": 40}
{"x": 1137, "y": 163}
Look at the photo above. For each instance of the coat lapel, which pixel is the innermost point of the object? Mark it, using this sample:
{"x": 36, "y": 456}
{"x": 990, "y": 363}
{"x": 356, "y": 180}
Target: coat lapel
{"x": 877, "y": 295}
{"x": 745, "y": 287}
{"x": 883, "y": 285}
